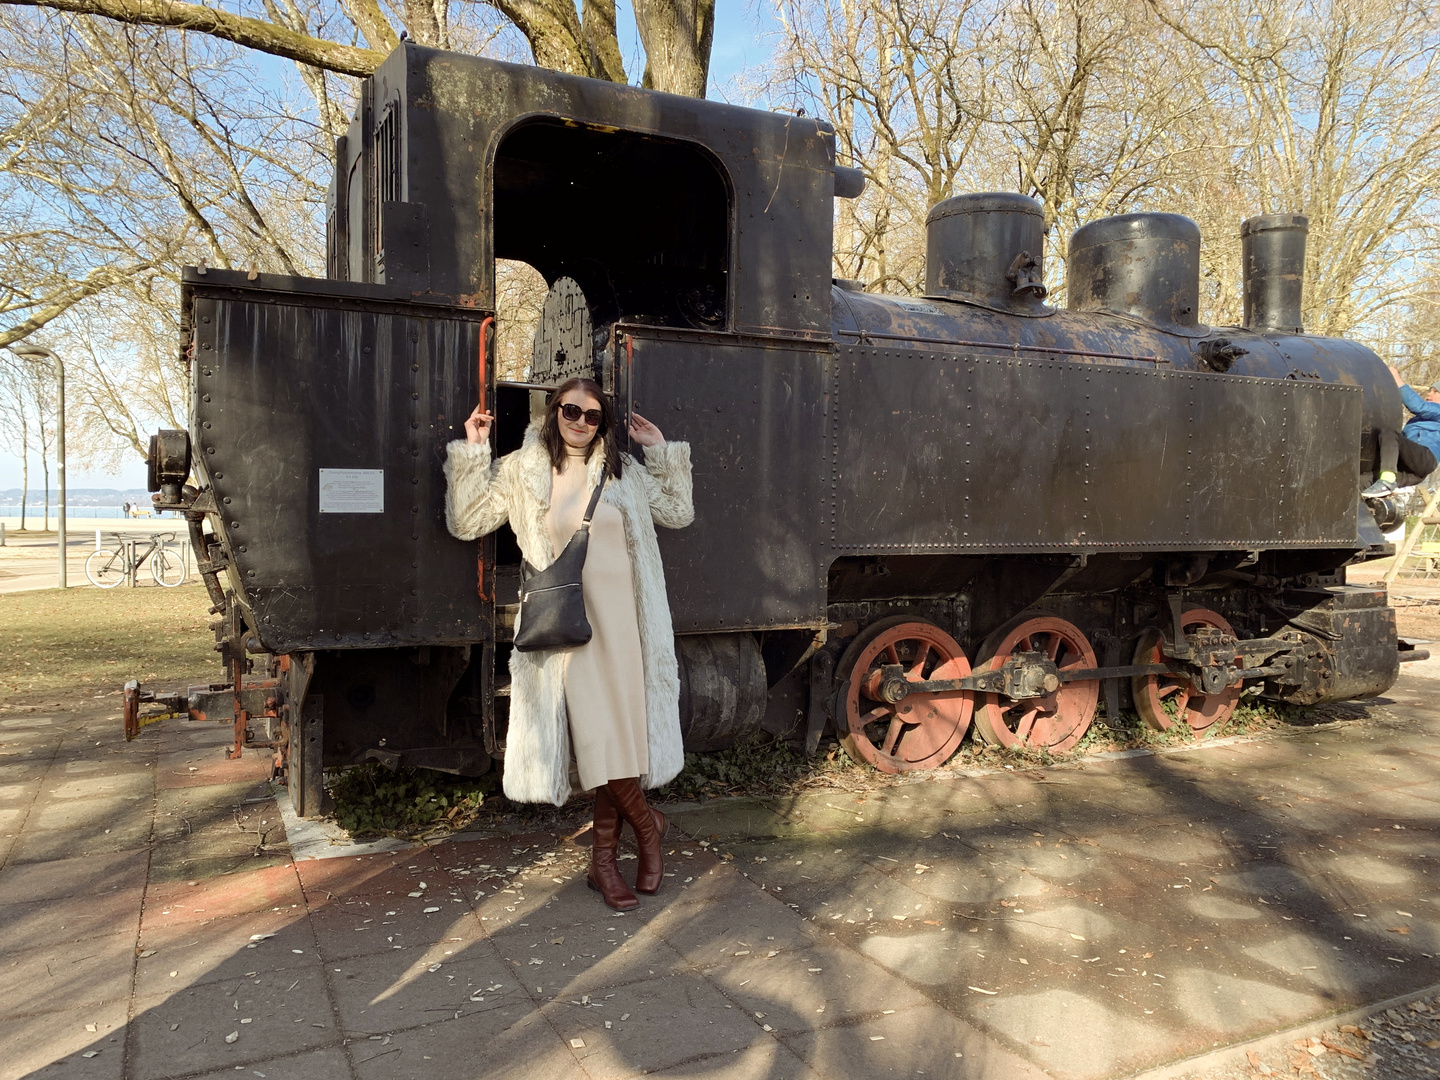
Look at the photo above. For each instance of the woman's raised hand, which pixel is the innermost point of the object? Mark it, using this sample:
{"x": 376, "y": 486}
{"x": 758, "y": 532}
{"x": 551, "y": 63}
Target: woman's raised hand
{"x": 477, "y": 426}
{"x": 645, "y": 433}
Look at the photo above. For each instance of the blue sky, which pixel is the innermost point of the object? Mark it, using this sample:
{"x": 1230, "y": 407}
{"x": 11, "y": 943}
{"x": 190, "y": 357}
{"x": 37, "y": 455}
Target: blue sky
{"x": 738, "y": 44}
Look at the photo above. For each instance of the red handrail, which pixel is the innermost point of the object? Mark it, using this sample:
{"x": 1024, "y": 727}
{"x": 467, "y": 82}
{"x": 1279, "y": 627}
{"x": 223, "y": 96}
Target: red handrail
{"x": 485, "y": 324}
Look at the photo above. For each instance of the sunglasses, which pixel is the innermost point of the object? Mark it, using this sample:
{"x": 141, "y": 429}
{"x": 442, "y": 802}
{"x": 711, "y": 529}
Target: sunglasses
{"x": 573, "y": 412}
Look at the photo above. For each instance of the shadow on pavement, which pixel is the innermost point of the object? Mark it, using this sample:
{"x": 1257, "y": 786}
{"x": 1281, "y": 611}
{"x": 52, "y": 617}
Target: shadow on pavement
{"x": 1080, "y": 922}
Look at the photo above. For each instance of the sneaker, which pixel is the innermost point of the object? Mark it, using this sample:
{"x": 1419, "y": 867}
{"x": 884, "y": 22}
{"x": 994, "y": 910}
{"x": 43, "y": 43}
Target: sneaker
{"x": 1379, "y": 490}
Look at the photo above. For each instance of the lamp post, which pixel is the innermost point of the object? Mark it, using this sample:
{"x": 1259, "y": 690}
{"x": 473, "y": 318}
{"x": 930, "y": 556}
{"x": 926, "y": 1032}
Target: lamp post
{"x": 37, "y": 352}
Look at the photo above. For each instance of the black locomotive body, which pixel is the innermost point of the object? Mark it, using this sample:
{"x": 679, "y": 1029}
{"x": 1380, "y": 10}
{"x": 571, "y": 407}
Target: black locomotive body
{"x": 909, "y": 512}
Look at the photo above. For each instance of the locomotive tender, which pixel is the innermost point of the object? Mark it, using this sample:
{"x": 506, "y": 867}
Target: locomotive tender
{"x": 910, "y": 513}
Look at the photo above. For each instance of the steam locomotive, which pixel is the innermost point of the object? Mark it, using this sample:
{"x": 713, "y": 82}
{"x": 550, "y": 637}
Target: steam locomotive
{"x": 911, "y": 513}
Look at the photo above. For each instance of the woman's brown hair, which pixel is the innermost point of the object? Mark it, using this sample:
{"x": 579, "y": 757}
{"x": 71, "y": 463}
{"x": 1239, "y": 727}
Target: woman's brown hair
{"x": 604, "y": 434}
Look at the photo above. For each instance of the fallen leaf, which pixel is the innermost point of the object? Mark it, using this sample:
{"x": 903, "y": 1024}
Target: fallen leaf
{"x": 1398, "y": 929}
{"x": 1351, "y": 1029}
{"x": 932, "y": 922}
{"x": 1344, "y": 1050}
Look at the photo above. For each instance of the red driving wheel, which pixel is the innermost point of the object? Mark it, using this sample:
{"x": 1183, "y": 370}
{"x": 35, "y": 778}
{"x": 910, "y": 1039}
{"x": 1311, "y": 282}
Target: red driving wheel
{"x": 1054, "y": 721}
{"x": 1166, "y": 700}
{"x": 917, "y": 731}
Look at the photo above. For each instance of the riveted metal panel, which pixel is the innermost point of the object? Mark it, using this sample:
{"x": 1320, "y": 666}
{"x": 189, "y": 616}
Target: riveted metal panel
{"x": 753, "y": 410}
{"x": 292, "y": 380}
{"x": 939, "y": 453}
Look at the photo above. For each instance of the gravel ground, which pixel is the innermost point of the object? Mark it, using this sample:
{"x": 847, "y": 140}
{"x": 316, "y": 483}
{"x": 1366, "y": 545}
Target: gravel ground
{"x": 1399, "y": 1043}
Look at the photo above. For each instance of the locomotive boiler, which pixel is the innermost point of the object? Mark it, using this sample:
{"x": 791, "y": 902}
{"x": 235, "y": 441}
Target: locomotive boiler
{"x": 914, "y": 515}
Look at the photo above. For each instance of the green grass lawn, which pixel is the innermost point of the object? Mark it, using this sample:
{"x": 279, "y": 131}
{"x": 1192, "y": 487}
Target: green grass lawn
{"x": 55, "y": 643}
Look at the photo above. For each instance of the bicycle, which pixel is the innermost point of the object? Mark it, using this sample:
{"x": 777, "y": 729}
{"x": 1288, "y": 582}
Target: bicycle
{"x": 108, "y": 567}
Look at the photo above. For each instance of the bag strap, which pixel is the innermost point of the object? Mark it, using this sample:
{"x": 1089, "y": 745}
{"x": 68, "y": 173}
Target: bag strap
{"x": 594, "y": 502}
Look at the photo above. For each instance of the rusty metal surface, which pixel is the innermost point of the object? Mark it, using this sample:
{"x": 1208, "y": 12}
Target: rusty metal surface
{"x": 481, "y": 181}
{"x": 1109, "y": 337}
{"x": 886, "y": 721}
{"x": 1201, "y": 712}
{"x": 1032, "y": 455}
{"x": 754, "y": 412}
{"x": 291, "y": 381}
{"x": 1058, "y": 714}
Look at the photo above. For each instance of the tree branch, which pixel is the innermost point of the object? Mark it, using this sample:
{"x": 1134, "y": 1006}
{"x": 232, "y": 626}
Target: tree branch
{"x": 255, "y": 34}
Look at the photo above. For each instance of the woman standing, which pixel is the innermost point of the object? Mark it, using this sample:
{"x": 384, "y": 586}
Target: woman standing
{"x": 615, "y": 699}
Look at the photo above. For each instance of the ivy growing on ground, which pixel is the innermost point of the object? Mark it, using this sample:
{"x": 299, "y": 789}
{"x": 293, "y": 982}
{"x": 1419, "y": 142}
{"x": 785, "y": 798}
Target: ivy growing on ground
{"x": 371, "y": 800}
{"x": 760, "y": 765}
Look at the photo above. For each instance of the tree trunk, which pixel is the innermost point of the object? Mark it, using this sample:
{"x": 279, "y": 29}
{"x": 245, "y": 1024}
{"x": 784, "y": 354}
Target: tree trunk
{"x": 24, "y": 467}
{"x": 676, "y": 35}
{"x": 552, "y": 27}
{"x": 598, "y": 21}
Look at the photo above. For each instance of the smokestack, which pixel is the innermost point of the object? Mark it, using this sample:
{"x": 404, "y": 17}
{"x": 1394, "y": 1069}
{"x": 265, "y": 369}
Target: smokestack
{"x": 1145, "y": 265}
{"x": 1272, "y": 249}
{"x": 987, "y": 249}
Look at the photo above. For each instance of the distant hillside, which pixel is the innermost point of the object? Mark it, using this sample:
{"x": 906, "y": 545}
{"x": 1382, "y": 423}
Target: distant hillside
{"x": 77, "y": 496}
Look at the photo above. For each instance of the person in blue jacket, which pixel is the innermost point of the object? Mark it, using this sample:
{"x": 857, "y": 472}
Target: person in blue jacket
{"x": 1411, "y": 454}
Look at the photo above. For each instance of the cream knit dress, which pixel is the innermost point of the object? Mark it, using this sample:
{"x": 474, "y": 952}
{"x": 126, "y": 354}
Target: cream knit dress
{"x": 605, "y": 677}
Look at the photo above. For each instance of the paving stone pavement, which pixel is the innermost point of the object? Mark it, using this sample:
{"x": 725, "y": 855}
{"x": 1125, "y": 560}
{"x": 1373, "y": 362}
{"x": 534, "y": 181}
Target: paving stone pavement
{"x": 1093, "y": 920}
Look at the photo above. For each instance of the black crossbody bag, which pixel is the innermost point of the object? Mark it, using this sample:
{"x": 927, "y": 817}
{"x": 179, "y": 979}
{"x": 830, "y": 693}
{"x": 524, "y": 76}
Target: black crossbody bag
{"x": 552, "y": 605}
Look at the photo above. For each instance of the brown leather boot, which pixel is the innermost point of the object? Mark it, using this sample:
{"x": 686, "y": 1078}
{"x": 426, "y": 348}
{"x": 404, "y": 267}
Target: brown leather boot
{"x": 649, "y": 825}
{"x": 604, "y": 876}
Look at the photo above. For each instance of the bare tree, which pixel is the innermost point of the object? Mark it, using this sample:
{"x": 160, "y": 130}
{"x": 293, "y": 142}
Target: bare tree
{"x": 1333, "y": 110}
{"x": 906, "y": 84}
{"x": 166, "y": 153}
{"x": 38, "y": 382}
{"x": 15, "y": 422}
{"x": 1096, "y": 107}
{"x": 520, "y": 292}
{"x": 676, "y": 34}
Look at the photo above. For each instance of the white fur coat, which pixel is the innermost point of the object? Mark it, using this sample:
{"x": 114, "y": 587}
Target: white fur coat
{"x": 480, "y": 497}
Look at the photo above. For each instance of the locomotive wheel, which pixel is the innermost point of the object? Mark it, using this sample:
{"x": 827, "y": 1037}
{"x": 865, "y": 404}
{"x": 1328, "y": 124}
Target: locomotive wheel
{"x": 1203, "y": 713}
{"x": 1055, "y": 721}
{"x": 919, "y": 731}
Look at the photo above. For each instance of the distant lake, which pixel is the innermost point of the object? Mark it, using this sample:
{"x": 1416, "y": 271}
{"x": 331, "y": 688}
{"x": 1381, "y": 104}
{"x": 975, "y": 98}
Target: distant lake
{"x": 70, "y": 512}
